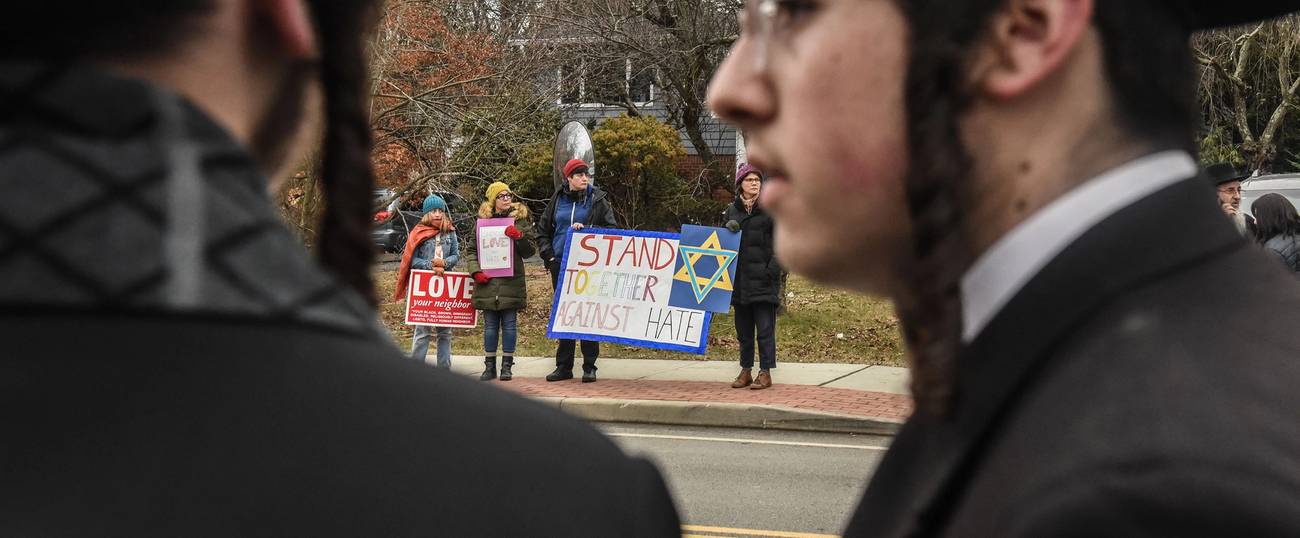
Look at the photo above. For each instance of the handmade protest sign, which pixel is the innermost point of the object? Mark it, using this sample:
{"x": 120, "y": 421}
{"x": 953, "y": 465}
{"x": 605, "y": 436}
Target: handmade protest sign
{"x": 440, "y": 300}
{"x": 706, "y": 268}
{"x": 615, "y": 287}
{"x": 496, "y": 252}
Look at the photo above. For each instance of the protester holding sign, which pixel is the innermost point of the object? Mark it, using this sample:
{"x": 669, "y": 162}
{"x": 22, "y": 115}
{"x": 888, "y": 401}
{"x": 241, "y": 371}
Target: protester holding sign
{"x": 758, "y": 281}
{"x": 432, "y": 246}
{"x": 576, "y": 205}
{"x": 501, "y": 298}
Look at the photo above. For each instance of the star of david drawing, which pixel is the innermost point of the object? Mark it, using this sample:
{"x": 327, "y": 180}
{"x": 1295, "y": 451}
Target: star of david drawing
{"x": 699, "y": 284}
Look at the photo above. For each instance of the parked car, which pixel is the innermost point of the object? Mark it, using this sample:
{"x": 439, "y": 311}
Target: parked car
{"x": 390, "y": 234}
{"x": 1287, "y": 185}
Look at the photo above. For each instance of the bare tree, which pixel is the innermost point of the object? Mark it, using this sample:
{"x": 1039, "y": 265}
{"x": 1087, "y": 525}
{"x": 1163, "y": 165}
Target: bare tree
{"x": 454, "y": 99}
{"x": 1249, "y": 85}
{"x": 677, "y": 43}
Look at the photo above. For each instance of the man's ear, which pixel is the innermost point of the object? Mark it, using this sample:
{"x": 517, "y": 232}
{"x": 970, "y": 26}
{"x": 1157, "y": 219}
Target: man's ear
{"x": 292, "y": 23}
{"x": 1027, "y": 41}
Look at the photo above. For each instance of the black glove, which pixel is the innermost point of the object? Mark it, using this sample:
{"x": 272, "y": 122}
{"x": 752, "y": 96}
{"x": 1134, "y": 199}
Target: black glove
{"x": 733, "y": 226}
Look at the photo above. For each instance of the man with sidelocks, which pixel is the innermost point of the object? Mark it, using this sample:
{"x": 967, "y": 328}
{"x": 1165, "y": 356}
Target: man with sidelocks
{"x": 1227, "y": 181}
{"x": 1018, "y": 176}
{"x": 174, "y": 363}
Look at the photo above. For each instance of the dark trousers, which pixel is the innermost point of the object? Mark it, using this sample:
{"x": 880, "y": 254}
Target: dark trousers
{"x": 760, "y": 316}
{"x": 564, "y": 353}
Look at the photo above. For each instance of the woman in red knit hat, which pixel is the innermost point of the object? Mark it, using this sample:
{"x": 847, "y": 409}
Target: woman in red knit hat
{"x": 575, "y": 205}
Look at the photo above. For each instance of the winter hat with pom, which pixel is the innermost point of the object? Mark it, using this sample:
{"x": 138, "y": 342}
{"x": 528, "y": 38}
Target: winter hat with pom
{"x": 747, "y": 169}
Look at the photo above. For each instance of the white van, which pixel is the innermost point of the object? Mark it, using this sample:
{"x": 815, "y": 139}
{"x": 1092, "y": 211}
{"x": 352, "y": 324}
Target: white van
{"x": 1287, "y": 185}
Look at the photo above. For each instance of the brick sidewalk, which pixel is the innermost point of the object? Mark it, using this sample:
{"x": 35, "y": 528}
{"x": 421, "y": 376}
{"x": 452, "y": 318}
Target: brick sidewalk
{"x": 809, "y": 397}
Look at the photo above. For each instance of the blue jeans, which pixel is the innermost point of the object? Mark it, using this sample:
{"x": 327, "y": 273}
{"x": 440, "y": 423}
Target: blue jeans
{"x": 420, "y": 344}
{"x": 504, "y": 322}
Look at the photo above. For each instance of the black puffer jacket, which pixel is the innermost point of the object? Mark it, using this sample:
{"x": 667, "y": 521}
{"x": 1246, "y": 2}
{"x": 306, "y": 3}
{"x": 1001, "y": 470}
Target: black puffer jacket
{"x": 758, "y": 275}
{"x": 1286, "y": 248}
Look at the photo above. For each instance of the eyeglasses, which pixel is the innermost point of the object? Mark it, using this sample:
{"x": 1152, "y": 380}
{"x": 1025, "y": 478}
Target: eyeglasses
{"x": 766, "y": 21}
{"x": 505, "y": 196}
{"x": 1230, "y": 190}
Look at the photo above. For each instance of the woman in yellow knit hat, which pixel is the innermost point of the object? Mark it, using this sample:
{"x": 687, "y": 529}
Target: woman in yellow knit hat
{"x": 501, "y": 298}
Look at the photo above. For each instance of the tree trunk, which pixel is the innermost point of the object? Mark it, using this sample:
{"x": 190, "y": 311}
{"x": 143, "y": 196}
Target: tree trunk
{"x": 691, "y": 124}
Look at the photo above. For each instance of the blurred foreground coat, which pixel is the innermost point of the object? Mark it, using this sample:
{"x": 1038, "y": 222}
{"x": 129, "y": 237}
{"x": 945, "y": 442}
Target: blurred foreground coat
{"x": 1142, "y": 384}
{"x": 175, "y": 364}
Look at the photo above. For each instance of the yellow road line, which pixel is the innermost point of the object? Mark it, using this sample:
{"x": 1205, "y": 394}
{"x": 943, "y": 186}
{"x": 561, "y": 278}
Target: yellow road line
{"x": 730, "y": 531}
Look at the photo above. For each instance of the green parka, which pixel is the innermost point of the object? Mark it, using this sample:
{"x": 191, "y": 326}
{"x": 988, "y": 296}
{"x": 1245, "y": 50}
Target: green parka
{"x": 505, "y": 293}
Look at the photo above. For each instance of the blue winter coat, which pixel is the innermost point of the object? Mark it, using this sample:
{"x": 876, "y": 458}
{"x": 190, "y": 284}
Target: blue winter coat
{"x": 423, "y": 257}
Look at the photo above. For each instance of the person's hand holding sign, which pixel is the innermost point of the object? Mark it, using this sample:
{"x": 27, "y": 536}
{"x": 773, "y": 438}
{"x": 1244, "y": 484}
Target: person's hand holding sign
{"x": 481, "y": 278}
{"x": 513, "y": 232}
{"x": 577, "y": 226}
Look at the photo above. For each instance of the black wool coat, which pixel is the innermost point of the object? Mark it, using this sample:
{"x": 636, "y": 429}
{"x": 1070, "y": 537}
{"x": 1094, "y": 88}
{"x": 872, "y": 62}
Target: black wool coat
{"x": 235, "y": 388}
{"x": 758, "y": 274}
{"x": 1142, "y": 384}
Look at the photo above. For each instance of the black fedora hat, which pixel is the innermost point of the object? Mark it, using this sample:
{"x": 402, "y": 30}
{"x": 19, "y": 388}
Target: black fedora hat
{"x": 1204, "y": 15}
{"x": 1220, "y": 173}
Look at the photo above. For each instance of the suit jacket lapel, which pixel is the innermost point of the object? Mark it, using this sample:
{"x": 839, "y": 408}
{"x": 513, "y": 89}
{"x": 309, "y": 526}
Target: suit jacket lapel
{"x": 1170, "y": 229}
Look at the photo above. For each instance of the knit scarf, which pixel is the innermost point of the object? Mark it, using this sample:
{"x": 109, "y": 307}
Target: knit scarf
{"x": 419, "y": 234}
{"x": 749, "y": 202}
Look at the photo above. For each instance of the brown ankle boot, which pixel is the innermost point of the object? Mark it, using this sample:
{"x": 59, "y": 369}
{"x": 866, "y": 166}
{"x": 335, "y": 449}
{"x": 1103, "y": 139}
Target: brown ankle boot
{"x": 764, "y": 380}
{"x": 743, "y": 380}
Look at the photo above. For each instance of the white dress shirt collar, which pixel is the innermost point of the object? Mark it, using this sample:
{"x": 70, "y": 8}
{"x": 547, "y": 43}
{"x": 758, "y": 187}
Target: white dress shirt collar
{"x": 999, "y": 273}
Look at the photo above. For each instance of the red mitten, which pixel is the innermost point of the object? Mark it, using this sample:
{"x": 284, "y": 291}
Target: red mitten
{"x": 481, "y": 278}
{"x": 513, "y": 232}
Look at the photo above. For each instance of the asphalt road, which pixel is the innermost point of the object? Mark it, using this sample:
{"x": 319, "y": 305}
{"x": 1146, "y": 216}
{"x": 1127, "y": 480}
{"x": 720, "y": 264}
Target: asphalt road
{"x": 731, "y": 482}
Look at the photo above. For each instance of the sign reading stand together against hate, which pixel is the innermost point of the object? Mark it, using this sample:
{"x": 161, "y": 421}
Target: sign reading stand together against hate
{"x": 618, "y": 286}
{"x": 442, "y": 301}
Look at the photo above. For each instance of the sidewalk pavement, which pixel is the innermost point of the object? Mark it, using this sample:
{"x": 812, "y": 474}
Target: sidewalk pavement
{"x": 849, "y": 398}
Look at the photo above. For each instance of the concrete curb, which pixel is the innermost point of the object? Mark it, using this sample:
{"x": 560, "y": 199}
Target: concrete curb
{"x": 731, "y": 415}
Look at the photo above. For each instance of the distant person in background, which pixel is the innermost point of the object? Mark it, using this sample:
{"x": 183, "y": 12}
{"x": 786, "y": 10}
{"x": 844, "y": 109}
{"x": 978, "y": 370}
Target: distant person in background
{"x": 1228, "y": 181}
{"x": 431, "y": 246}
{"x": 758, "y": 281}
{"x": 501, "y": 298}
{"x": 1277, "y": 228}
{"x": 575, "y": 205}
